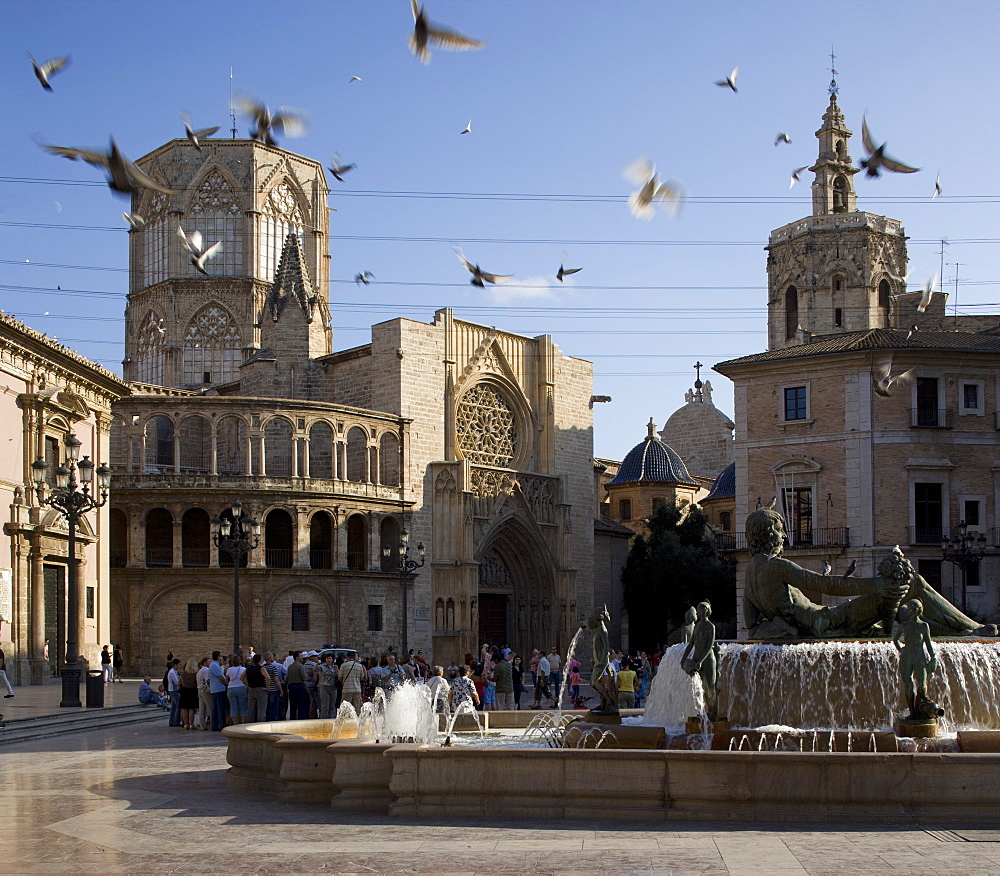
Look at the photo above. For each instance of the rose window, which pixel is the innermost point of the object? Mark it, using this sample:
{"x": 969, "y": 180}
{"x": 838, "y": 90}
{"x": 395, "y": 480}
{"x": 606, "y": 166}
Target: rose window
{"x": 487, "y": 434}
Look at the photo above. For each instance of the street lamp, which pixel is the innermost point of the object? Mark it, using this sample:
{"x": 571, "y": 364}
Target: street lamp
{"x": 72, "y": 499}
{"x": 405, "y": 568}
{"x": 964, "y": 550}
{"x": 237, "y": 537}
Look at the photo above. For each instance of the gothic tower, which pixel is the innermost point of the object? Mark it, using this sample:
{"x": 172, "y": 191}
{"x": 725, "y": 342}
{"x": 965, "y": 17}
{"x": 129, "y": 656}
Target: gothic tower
{"x": 839, "y": 269}
{"x": 186, "y": 330}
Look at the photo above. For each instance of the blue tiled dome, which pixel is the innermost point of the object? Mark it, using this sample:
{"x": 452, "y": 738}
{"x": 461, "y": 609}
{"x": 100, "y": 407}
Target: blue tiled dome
{"x": 652, "y": 461}
{"x": 724, "y": 486}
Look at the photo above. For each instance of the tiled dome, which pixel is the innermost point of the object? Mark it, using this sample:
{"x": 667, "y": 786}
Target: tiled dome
{"x": 724, "y": 486}
{"x": 652, "y": 461}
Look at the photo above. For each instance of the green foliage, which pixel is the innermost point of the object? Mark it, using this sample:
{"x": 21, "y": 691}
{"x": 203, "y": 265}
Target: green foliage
{"x": 676, "y": 565}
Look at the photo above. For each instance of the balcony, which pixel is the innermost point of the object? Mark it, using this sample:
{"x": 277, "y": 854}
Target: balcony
{"x": 320, "y": 559}
{"x": 161, "y": 558}
{"x": 727, "y": 542}
{"x": 278, "y": 558}
{"x": 926, "y": 535}
{"x": 828, "y": 537}
{"x": 356, "y": 561}
{"x": 932, "y": 418}
{"x": 194, "y": 558}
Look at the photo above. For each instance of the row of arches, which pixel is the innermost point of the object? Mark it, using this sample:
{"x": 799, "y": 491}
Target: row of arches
{"x": 187, "y": 541}
{"x": 838, "y": 284}
{"x": 195, "y": 446}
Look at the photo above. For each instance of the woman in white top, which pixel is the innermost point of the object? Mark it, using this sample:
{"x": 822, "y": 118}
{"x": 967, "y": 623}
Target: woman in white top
{"x": 236, "y": 692}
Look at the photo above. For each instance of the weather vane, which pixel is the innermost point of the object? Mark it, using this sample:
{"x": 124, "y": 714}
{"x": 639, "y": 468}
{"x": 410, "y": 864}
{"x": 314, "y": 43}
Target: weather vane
{"x": 833, "y": 89}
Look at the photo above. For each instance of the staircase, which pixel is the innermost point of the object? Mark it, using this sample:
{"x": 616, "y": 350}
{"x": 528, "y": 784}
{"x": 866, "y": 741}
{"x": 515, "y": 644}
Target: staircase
{"x": 45, "y": 726}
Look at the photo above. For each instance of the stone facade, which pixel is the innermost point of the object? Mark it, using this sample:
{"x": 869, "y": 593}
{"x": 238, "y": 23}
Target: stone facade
{"x": 49, "y": 392}
{"x": 477, "y": 441}
{"x": 700, "y": 433}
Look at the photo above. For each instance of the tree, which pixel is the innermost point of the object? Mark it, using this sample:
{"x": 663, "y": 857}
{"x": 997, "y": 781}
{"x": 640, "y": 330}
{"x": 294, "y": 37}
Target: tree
{"x": 676, "y": 565}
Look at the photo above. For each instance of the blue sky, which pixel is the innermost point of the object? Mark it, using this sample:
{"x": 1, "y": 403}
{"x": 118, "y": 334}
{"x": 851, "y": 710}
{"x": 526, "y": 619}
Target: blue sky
{"x": 562, "y": 98}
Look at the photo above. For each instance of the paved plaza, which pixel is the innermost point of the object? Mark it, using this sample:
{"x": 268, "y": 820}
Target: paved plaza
{"x": 147, "y": 798}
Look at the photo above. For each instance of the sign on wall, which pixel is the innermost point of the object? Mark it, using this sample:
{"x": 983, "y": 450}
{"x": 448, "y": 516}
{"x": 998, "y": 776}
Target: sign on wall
{"x": 6, "y": 595}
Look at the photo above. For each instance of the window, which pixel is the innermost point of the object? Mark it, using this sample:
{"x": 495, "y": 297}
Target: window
{"x": 971, "y": 397}
{"x": 374, "y": 618}
{"x": 91, "y": 599}
{"x": 927, "y": 509}
{"x": 799, "y": 514}
{"x": 970, "y": 513}
{"x": 300, "y": 617}
{"x": 795, "y": 403}
{"x": 212, "y": 346}
{"x": 51, "y": 459}
{"x": 791, "y": 312}
{"x": 927, "y": 402}
{"x": 930, "y": 571}
{"x": 216, "y": 213}
{"x": 838, "y": 316}
{"x": 972, "y": 579}
{"x": 725, "y": 520}
{"x": 624, "y": 509}
{"x": 197, "y": 617}
{"x": 883, "y": 294}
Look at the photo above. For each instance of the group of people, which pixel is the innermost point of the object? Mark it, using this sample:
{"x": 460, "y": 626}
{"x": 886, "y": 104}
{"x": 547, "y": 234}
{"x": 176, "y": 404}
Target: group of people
{"x": 112, "y": 662}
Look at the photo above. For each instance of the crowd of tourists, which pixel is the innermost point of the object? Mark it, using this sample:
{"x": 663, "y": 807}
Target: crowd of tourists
{"x": 212, "y": 692}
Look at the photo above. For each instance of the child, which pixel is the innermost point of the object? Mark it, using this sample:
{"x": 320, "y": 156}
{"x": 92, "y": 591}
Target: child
{"x": 574, "y": 680}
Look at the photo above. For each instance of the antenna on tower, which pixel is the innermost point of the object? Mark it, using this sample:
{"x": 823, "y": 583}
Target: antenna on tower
{"x": 833, "y": 89}
{"x": 232, "y": 109}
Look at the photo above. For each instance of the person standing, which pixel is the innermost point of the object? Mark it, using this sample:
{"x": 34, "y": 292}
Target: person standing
{"x": 503, "y": 677}
{"x": 533, "y": 665}
{"x": 327, "y": 686}
{"x": 555, "y": 664}
{"x": 117, "y": 663}
{"x": 310, "y": 662}
{"x": 463, "y": 690}
{"x": 174, "y": 691}
{"x": 189, "y": 694}
{"x": 273, "y": 671}
{"x": 625, "y": 680}
{"x": 106, "y": 667}
{"x": 236, "y": 690}
{"x": 298, "y": 695}
{"x": 542, "y": 683}
{"x": 517, "y": 675}
{"x": 256, "y": 682}
{"x": 351, "y": 675}
{"x": 217, "y": 687}
{"x": 3, "y": 676}
{"x": 204, "y": 694}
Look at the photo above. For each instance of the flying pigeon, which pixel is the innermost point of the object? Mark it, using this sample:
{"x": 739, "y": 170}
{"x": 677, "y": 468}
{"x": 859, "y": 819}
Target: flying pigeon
{"x": 851, "y": 569}
{"x": 937, "y": 187}
{"x": 913, "y": 329}
{"x": 883, "y": 379}
{"x": 925, "y": 299}
{"x": 827, "y": 568}
{"x": 424, "y": 32}
{"x": 467, "y": 129}
{"x": 289, "y": 122}
{"x": 199, "y": 254}
{"x": 336, "y": 169}
{"x": 193, "y": 135}
{"x": 135, "y": 220}
{"x": 642, "y": 173}
{"x": 795, "y": 175}
{"x": 364, "y": 278}
{"x": 782, "y": 138}
{"x": 160, "y": 327}
{"x": 479, "y": 276}
{"x": 730, "y": 80}
{"x": 353, "y": 79}
{"x": 877, "y": 157}
{"x": 49, "y": 68}
{"x": 565, "y": 272}
{"x": 124, "y": 176}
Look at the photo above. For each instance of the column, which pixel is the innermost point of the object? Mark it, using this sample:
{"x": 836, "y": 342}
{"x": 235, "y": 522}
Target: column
{"x": 263, "y": 457}
{"x": 36, "y": 575}
{"x": 215, "y": 450}
{"x": 177, "y": 450}
{"x": 178, "y": 546}
{"x": 305, "y": 458}
{"x": 295, "y": 456}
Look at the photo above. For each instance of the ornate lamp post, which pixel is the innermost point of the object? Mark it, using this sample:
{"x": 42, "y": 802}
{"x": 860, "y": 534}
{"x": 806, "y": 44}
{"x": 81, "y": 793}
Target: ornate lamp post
{"x": 72, "y": 498}
{"x": 964, "y": 550}
{"x": 237, "y": 537}
{"x": 405, "y": 568}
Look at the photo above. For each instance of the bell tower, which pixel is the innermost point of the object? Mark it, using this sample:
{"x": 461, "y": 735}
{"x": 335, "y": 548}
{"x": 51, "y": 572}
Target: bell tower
{"x": 839, "y": 269}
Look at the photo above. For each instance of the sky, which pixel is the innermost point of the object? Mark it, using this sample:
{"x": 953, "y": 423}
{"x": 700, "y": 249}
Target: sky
{"x": 562, "y": 98}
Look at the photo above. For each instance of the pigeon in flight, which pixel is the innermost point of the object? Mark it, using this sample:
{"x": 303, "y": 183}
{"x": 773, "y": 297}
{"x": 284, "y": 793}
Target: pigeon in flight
{"x": 288, "y": 122}
{"x": 851, "y": 569}
{"x": 337, "y": 169}
{"x": 827, "y": 568}
{"x": 877, "y": 157}
{"x": 937, "y": 187}
{"x": 883, "y": 379}
{"x": 135, "y": 220}
{"x": 925, "y": 299}
{"x": 49, "y": 68}
{"x": 161, "y": 328}
{"x": 913, "y": 329}
{"x": 467, "y": 129}
{"x": 353, "y": 79}
{"x": 194, "y": 244}
{"x": 565, "y": 272}
{"x": 124, "y": 177}
{"x": 193, "y": 135}
{"x": 480, "y": 277}
{"x": 730, "y": 80}
{"x": 782, "y": 138}
{"x": 795, "y": 175}
{"x": 642, "y": 173}
{"x": 424, "y": 32}
{"x": 364, "y": 278}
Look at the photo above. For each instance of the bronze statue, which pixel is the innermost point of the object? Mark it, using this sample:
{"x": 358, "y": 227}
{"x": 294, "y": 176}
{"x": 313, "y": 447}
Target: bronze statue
{"x": 600, "y": 679}
{"x": 701, "y": 657}
{"x": 774, "y": 606}
{"x": 915, "y": 664}
{"x": 690, "y": 616}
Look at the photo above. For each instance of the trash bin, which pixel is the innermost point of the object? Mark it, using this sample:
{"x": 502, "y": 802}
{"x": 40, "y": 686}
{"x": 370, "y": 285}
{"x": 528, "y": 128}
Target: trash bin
{"x": 95, "y": 688}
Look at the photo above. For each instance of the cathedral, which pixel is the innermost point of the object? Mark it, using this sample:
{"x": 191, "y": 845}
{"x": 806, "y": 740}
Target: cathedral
{"x": 472, "y": 443}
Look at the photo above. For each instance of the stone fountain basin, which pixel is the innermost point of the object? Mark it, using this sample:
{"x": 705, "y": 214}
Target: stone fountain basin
{"x": 296, "y": 761}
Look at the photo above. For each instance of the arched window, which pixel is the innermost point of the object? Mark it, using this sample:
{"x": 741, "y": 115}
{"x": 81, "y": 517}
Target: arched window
{"x": 118, "y": 445}
{"x": 791, "y": 312}
{"x": 279, "y": 539}
{"x": 149, "y": 350}
{"x": 321, "y": 541}
{"x": 159, "y": 445}
{"x": 154, "y": 238}
{"x": 321, "y": 451}
{"x": 231, "y": 446}
{"x": 118, "y": 539}
{"x": 280, "y": 217}
{"x": 388, "y": 453}
{"x": 195, "y": 538}
{"x": 884, "y": 294}
{"x": 487, "y": 429}
{"x": 216, "y": 213}
{"x": 196, "y": 445}
{"x": 212, "y": 347}
{"x": 841, "y": 151}
{"x": 357, "y": 542}
{"x": 357, "y": 452}
{"x": 278, "y": 448}
{"x": 840, "y": 194}
{"x": 159, "y": 537}
{"x": 388, "y": 537}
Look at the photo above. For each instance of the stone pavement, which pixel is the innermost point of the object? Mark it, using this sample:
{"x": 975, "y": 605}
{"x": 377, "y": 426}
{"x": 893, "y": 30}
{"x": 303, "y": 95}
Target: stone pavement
{"x": 36, "y": 700}
{"x": 152, "y": 799}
